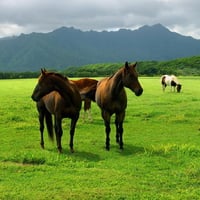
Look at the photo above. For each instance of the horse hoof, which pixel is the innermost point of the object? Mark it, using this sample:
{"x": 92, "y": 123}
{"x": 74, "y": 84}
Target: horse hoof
{"x": 59, "y": 150}
{"x": 72, "y": 150}
{"x": 108, "y": 148}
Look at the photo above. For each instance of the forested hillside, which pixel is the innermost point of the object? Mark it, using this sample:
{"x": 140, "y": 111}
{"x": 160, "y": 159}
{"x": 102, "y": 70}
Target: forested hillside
{"x": 181, "y": 67}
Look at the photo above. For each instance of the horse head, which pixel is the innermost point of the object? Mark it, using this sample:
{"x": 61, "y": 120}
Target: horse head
{"x": 130, "y": 78}
{"x": 44, "y": 85}
{"x": 178, "y": 87}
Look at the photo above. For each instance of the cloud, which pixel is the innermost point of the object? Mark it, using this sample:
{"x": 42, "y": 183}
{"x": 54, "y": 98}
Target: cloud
{"x": 24, "y": 16}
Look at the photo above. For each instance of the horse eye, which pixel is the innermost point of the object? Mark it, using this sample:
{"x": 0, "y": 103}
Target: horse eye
{"x": 133, "y": 76}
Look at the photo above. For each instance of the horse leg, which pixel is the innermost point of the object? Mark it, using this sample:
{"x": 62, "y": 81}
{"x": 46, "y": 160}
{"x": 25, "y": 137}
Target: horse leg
{"x": 172, "y": 88}
{"x": 41, "y": 120}
{"x": 164, "y": 86}
{"x": 89, "y": 115}
{"x": 106, "y": 117}
{"x": 87, "y": 108}
{"x": 72, "y": 131}
{"x": 119, "y": 128}
{"x": 59, "y": 132}
{"x": 41, "y": 110}
{"x": 84, "y": 110}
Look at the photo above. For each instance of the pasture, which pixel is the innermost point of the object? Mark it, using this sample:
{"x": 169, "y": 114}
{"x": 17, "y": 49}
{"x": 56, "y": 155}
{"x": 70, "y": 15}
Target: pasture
{"x": 160, "y": 160}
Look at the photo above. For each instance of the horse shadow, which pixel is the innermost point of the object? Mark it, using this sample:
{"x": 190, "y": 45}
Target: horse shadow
{"x": 83, "y": 155}
{"x": 130, "y": 149}
{"x": 78, "y": 155}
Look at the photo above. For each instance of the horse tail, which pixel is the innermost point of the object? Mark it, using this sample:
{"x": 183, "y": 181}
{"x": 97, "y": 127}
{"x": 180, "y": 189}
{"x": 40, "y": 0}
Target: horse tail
{"x": 162, "y": 79}
{"x": 89, "y": 92}
{"x": 49, "y": 123}
{"x": 87, "y": 104}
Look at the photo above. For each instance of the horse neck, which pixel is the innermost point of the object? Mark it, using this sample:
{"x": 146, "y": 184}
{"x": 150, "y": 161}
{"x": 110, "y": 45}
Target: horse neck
{"x": 117, "y": 84}
{"x": 64, "y": 88}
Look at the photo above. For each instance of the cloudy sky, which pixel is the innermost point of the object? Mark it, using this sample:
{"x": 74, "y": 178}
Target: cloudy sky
{"x": 26, "y": 16}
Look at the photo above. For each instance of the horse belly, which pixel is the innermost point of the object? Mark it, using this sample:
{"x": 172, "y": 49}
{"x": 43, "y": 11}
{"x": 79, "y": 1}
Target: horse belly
{"x": 116, "y": 107}
{"x": 110, "y": 105}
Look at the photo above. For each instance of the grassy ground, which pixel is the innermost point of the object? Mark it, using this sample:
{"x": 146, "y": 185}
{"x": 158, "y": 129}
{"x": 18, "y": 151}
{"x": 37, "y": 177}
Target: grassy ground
{"x": 160, "y": 159}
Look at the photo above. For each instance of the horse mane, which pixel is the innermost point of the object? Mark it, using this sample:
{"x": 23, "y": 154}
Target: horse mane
{"x": 119, "y": 70}
{"x": 118, "y": 81}
{"x": 59, "y": 75}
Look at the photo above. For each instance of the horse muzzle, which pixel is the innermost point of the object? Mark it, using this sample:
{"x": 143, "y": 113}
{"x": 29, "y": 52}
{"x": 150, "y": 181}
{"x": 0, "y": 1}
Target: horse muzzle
{"x": 34, "y": 98}
{"x": 139, "y": 92}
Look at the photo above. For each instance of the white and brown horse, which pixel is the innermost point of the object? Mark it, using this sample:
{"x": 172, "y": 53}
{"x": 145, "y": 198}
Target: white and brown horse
{"x": 172, "y": 81}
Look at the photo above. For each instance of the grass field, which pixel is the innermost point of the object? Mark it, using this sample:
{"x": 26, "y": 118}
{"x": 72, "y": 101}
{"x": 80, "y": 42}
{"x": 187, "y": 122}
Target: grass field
{"x": 160, "y": 160}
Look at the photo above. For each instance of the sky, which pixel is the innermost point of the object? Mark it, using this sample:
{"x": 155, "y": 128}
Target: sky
{"x": 27, "y": 16}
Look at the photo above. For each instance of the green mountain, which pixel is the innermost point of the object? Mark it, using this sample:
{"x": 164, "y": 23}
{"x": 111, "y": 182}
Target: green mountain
{"x": 67, "y": 47}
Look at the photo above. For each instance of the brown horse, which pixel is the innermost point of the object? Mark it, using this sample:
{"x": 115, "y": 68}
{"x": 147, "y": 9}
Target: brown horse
{"x": 82, "y": 85}
{"x": 56, "y": 95}
{"x": 111, "y": 98}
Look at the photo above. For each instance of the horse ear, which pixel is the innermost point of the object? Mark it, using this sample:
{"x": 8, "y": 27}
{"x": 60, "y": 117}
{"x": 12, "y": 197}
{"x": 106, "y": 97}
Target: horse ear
{"x": 126, "y": 65}
{"x": 43, "y": 71}
{"x": 135, "y": 64}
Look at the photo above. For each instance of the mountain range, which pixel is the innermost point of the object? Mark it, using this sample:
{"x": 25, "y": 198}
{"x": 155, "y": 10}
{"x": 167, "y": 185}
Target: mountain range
{"x": 66, "y": 47}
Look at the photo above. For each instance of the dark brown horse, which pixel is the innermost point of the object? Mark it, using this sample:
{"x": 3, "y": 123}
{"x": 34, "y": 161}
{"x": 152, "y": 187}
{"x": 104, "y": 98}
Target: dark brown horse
{"x": 56, "y": 95}
{"x": 111, "y": 98}
{"x": 83, "y": 84}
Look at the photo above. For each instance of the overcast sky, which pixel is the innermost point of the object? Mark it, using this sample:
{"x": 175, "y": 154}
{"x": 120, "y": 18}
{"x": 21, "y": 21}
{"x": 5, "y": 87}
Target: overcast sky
{"x": 26, "y": 16}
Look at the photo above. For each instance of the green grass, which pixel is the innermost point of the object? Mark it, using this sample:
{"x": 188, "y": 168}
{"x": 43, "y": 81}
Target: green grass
{"x": 160, "y": 159}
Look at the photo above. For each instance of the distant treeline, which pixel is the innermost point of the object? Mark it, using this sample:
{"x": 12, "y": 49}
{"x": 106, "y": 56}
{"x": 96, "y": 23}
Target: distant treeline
{"x": 18, "y": 75}
{"x": 180, "y": 67}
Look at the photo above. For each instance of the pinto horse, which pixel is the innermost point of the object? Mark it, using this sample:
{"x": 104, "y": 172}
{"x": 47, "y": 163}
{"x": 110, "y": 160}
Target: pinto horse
{"x": 56, "y": 95}
{"x": 83, "y": 84}
{"x": 112, "y": 99}
{"x": 172, "y": 81}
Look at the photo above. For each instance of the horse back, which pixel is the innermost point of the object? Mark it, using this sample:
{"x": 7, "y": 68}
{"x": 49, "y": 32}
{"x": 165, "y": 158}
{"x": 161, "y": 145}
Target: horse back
{"x": 84, "y": 82}
{"x": 86, "y": 87}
